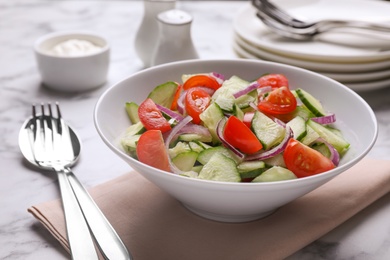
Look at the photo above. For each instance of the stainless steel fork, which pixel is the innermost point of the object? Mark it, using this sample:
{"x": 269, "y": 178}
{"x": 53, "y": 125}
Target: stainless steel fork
{"x": 52, "y": 151}
{"x": 56, "y": 147}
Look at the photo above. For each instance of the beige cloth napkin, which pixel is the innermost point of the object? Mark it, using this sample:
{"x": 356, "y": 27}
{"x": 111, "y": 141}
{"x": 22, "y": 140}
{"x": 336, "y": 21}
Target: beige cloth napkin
{"x": 153, "y": 225}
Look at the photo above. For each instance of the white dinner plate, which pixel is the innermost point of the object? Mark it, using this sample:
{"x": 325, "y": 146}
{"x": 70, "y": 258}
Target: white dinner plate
{"x": 337, "y": 46}
{"x": 356, "y": 86}
{"x": 341, "y": 72}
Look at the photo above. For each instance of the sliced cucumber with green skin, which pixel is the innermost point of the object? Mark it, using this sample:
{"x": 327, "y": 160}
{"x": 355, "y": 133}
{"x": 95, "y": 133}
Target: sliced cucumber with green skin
{"x": 137, "y": 128}
{"x": 267, "y": 131}
{"x": 132, "y": 112}
{"x": 204, "y": 156}
{"x": 298, "y": 126}
{"x": 310, "y": 136}
{"x": 180, "y": 147}
{"x": 313, "y": 104}
{"x": 129, "y": 144}
{"x": 195, "y": 137}
{"x": 250, "y": 166}
{"x": 224, "y": 95}
{"x": 164, "y": 94}
{"x": 251, "y": 169}
{"x": 185, "y": 161}
{"x": 335, "y": 140}
{"x": 303, "y": 112}
{"x": 220, "y": 168}
{"x": 322, "y": 148}
{"x": 276, "y": 160}
{"x": 196, "y": 147}
{"x": 237, "y": 111}
{"x": 210, "y": 118}
{"x": 275, "y": 173}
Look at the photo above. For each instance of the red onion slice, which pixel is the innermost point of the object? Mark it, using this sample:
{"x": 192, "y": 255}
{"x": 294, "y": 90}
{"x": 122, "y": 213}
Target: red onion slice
{"x": 180, "y": 103}
{"x": 252, "y": 86}
{"x": 325, "y": 120}
{"x": 274, "y": 151}
{"x": 220, "y": 127}
{"x": 218, "y": 76}
{"x": 170, "y": 113}
{"x": 172, "y": 133}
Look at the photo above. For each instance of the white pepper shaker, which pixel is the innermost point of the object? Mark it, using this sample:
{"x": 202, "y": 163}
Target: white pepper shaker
{"x": 147, "y": 33}
{"x": 175, "y": 41}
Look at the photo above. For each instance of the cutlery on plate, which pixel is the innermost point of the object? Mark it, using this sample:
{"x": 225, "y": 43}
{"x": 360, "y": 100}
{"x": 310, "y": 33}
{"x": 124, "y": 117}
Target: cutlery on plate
{"x": 48, "y": 142}
{"x": 286, "y": 25}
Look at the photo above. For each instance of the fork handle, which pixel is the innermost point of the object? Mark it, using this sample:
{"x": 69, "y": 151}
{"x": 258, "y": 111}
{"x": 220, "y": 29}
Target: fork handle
{"x": 80, "y": 240}
{"x": 107, "y": 239}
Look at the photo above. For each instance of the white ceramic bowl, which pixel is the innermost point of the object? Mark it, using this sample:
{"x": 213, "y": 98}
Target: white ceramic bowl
{"x": 237, "y": 202}
{"x": 72, "y": 73}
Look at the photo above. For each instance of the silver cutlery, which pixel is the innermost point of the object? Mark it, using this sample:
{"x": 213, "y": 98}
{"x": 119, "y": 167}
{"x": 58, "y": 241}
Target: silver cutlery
{"x": 286, "y": 25}
{"x": 48, "y": 142}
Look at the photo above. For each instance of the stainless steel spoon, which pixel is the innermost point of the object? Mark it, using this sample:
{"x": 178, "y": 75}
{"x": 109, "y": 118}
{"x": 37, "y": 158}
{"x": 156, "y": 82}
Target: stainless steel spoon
{"x": 74, "y": 195}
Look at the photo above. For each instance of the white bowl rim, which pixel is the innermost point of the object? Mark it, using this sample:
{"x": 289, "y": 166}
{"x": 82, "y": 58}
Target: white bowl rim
{"x": 332, "y": 173}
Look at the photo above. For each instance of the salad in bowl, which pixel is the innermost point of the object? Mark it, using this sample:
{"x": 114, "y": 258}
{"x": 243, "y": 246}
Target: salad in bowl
{"x": 228, "y": 146}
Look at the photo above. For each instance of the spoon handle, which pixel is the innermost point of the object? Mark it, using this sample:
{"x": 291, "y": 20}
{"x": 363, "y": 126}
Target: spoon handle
{"x": 108, "y": 240}
{"x": 80, "y": 240}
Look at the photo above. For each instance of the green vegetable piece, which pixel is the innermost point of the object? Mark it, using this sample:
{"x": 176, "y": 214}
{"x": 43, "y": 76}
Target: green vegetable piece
{"x": 132, "y": 112}
{"x": 220, "y": 168}
{"x": 164, "y": 94}
{"x": 275, "y": 173}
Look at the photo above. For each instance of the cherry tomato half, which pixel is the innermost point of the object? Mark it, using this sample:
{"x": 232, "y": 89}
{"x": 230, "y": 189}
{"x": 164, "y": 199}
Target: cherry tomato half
{"x": 240, "y": 136}
{"x": 196, "y": 101}
{"x": 304, "y": 161}
{"x": 278, "y": 101}
{"x": 151, "y": 117}
{"x": 273, "y": 80}
{"x": 151, "y": 150}
{"x": 201, "y": 81}
{"x": 176, "y": 97}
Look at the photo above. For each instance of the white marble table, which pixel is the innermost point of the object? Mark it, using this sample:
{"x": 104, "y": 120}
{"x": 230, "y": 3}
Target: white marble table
{"x": 365, "y": 236}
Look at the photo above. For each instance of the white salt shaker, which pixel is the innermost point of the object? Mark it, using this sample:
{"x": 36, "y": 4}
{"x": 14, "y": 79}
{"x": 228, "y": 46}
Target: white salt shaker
{"x": 147, "y": 33}
{"x": 174, "y": 41}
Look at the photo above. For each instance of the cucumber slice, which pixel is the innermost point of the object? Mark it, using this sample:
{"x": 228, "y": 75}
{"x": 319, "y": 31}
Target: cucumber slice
{"x": 163, "y": 94}
{"x": 180, "y": 147}
{"x": 132, "y": 112}
{"x": 337, "y": 141}
{"x": 250, "y": 170}
{"x": 196, "y": 147}
{"x": 224, "y": 95}
{"x": 185, "y": 161}
{"x": 311, "y": 102}
{"x": 137, "y": 128}
{"x": 276, "y": 160}
{"x": 310, "y": 136}
{"x": 129, "y": 144}
{"x": 237, "y": 111}
{"x": 195, "y": 137}
{"x": 204, "y": 156}
{"x": 267, "y": 131}
{"x": 220, "y": 168}
{"x": 323, "y": 149}
{"x": 298, "y": 126}
{"x": 275, "y": 173}
{"x": 210, "y": 118}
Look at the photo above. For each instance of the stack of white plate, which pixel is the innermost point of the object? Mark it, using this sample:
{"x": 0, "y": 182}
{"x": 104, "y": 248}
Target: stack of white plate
{"x": 360, "y": 61}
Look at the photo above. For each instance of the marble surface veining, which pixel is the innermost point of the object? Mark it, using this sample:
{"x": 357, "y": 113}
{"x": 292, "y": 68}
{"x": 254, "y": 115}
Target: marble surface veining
{"x": 365, "y": 236}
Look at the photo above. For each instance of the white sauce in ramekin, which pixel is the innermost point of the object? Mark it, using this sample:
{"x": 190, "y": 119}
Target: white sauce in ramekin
{"x": 74, "y": 48}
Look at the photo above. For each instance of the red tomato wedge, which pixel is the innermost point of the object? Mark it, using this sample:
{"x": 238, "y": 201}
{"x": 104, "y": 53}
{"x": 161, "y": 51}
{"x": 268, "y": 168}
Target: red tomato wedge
{"x": 196, "y": 101}
{"x": 273, "y": 80}
{"x": 278, "y": 101}
{"x": 201, "y": 81}
{"x": 151, "y": 150}
{"x": 240, "y": 136}
{"x": 176, "y": 97}
{"x": 304, "y": 161}
{"x": 151, "y": 117}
